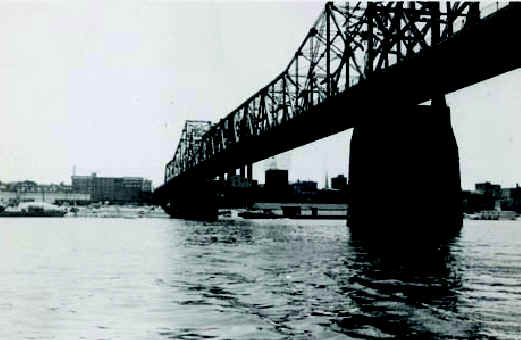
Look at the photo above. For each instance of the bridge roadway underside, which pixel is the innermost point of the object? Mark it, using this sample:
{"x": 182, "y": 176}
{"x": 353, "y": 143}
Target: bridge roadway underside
{"x": 479, "y": 52}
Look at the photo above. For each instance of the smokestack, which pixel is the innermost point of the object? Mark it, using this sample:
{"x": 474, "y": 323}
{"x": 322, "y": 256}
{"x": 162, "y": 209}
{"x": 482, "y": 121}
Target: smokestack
{"x": 281, "y": 161}
{"x": 326, "y": 185}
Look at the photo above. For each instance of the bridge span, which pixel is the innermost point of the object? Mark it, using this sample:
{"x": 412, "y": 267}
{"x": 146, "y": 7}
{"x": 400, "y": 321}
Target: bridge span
{"x": 366, "y": 66}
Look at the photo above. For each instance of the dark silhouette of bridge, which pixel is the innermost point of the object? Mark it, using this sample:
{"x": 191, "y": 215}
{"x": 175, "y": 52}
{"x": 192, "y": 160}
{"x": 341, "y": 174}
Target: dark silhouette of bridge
{"x": 366, "y": 66}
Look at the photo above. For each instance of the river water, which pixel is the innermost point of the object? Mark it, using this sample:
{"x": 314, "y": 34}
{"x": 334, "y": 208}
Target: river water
{"x": 171, "y": 279}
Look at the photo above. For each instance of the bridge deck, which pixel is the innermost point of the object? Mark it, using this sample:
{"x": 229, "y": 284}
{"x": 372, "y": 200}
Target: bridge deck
{"x": 482, "y": 51}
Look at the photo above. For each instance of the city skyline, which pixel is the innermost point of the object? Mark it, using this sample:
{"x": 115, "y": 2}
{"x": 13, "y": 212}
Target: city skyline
{"x": 107, "y": 87}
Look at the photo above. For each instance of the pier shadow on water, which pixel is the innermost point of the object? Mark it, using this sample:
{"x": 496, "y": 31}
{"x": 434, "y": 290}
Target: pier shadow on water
{"x": 393, "y": 290}
{"x": 301, "y": 280}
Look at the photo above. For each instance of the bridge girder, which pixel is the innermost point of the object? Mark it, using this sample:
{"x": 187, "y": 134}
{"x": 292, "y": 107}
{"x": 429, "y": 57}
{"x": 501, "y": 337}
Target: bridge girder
{"x": 348, "y": 46}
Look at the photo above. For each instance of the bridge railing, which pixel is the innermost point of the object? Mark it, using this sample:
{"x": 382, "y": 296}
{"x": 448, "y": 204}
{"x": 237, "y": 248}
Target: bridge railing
{"x": 345, "y": 46}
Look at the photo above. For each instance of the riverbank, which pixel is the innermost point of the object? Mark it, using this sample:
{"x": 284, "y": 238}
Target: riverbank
{"x": 312, "y": 211}
{"x": 116, "y": 211}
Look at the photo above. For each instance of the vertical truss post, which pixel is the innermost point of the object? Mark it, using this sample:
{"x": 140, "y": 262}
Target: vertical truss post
{"x": 409, "y": 35}
{"x": 246, "y": 120}
{"x": 397, "y": 27}
{"x": 231, "y": 129}
{"x": 450, "y": 19}
{"x": 249, "y": 171}
{"x": 435, "y": 23}
{"x": 437, "y": 96}
{"x": 296, "y": 80}
{"x": 255, "y": 116}
{"x": 264, "y": 121}
{"x": 474, "y": 14}
{"x": 284, "y": 92}
{"x": 328, "y": 48}
{"x": 211, "y": 147}
{"x": 221, "y": 141}
{"x": 347, "y": 49}
{"x": 311, "y": 73}
{"x": 272, "y": 105}
{"x": 370, "y": 48}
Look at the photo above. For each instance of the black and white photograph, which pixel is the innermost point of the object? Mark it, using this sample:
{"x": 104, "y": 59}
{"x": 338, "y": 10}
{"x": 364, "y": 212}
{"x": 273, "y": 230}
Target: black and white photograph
{"x": 260, "y": 169}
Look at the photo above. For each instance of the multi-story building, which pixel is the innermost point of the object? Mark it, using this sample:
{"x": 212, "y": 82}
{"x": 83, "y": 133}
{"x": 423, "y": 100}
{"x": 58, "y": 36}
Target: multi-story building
{"x": 339, "y": 182}
{"x": 487, "y": 196}
{"x": 30, "y": 191}
{"x": 147, "y": 185}
{"x": 239, "y": 182}
{"x": 276, "y": 179}
{"x": 113, "y": 189}
{"x": 306, "y": 187}
{"x": 488, "y": 189}
{"x": 511, "y": 198}
{"x": 29, "y": 186}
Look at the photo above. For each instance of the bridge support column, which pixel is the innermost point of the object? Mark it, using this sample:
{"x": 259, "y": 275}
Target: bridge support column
{"x": 188, "y": 198}
{"x": 249, "y": 171}
{"x": 404, "y": 177}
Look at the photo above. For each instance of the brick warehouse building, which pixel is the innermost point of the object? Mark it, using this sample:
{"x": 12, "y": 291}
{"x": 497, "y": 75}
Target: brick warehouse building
{"x": 112, "y": 189}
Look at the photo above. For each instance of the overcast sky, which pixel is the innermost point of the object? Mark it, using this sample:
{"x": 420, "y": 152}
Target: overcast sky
{"x": 107, "y": 86}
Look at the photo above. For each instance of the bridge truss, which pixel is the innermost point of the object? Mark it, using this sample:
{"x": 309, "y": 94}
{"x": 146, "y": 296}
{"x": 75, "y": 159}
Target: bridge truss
{"x": 346, "y": 45}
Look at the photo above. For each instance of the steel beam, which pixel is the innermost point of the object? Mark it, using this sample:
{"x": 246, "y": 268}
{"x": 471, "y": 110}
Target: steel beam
{"x": 408, "y": 51}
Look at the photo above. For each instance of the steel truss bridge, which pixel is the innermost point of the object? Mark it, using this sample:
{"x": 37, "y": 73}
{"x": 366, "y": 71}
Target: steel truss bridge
{"x": 355, "y": 62}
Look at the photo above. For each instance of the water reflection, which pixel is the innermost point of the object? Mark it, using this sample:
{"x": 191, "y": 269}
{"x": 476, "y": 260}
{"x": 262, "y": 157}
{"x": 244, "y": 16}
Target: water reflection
{"x": 300, "y": 279}
{"x": 406, "y": 293}
{"x": 288, "y": 279}
{"x": 230, "y": 232}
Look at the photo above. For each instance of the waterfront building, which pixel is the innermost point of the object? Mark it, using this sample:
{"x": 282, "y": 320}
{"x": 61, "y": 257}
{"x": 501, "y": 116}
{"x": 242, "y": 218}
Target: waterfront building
{"x": 112, "y": 189}
{"x": 147, "y": 185}
{"x": 29, "y": 186}
{"x": 487, "y": 196}
{"x": 276, "y": 179}
{"x": 511, "y": 198}
{"x": 306, "y": 187}
{"x": 339, "y": 182}
{"x": 474, "y": 200}
{"x": 489, "y": 189}
{"x": 240, "y": 182}
{"x": 9, "y": 197}
{"x": 276, "y": 188}
{"x": 29, "y": 191}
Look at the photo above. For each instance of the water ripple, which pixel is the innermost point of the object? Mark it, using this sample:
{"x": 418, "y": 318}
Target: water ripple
{"x": 173, "y": 279}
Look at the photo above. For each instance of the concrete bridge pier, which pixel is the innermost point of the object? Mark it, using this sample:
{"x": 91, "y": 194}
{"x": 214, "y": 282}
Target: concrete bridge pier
{"x": 190, "y": 199}
{"x": 249, "y": 171}
{"x": 404, "y": 177}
